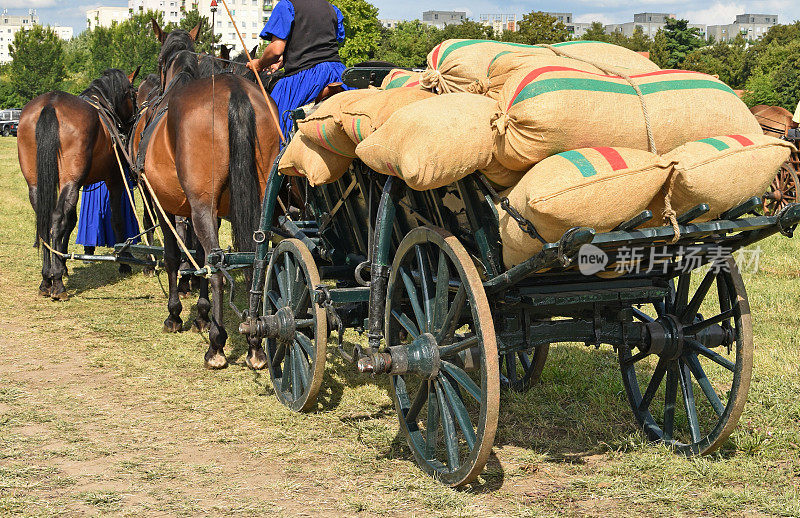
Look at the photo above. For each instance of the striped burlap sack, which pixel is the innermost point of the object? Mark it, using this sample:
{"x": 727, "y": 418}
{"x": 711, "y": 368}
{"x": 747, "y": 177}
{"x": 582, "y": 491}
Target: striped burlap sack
{"x": 324, "y": 126}
{"x": 462, "y": 65}
{"x": 595, "y": 187}
{"x": 304, "y": 158}
{"x": 722, "y": 172}
{"x": 433, "y": 142}
{"x": 505, "y": 64}
{"x": 548, "y": 110}
{"x": 400, "y": 78}
{"x": 361, "y": 118}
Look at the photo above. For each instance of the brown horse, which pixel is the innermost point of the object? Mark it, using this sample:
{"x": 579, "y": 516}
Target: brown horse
{"x": 209, "y": 156}
{"x": 63, "y": 145}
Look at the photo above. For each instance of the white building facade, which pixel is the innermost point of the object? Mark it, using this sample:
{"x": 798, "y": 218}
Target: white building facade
{"x": 105, "y": 16}
{"x": 11, "y": 24}
{"x": 750, "y": 26}
{"x": 250, "y": 15}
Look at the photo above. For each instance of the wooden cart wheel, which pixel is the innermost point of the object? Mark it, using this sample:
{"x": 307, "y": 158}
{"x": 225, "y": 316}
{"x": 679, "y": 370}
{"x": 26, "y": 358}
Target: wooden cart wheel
{"x": 783, "y": 190}
{"x": 296, "y": 361}
{"x": 520, "y": 370}
{"x": 450, "y": 416}
{"x": 709, "y": 368}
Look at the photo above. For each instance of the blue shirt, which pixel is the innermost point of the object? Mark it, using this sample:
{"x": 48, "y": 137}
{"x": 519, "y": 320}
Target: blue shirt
{"x": 281, "y": 20}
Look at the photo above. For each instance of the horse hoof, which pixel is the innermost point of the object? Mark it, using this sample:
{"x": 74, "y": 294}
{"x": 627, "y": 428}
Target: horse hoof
{"x": 256, "y": 360}
{"x": 201, "y": 326}
{"x": 216, "y": 362}
{"x": 171, "y": 326}
{"x": 44, "y": 293}
{"x": 60, "y": 297}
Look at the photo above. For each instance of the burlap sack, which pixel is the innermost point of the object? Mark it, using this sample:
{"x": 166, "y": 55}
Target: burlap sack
{"x": 596, "y": 187}
{"x": 549, "y": 110}
{"x": 324, "y": 126}
{"x": 400, "y": 78}
{"x": 361, "y": 118}
{"x": 462, "y": 65}
{"x": 505, "y": 64}
{"x": 304, "y": 158}
{"x": 722, "y": 172}
{"x": 434, "y": 142}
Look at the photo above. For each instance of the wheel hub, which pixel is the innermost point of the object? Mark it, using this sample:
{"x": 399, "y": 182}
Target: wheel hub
{"x": 420, "y": 357}
{"x": 281, "y": 325}
{"x": 666, "y": 337}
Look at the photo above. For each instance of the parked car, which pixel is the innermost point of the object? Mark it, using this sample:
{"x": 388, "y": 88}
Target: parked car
{"x": 9, "y": 119}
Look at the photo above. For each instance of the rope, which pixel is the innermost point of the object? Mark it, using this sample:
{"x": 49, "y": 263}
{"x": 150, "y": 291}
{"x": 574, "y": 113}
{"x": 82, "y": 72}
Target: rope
{"x": 612, "y": 71}
{"x": 272, "y": 109}
{"x": 59, "y": 254}
{"x": 669, "y": 213}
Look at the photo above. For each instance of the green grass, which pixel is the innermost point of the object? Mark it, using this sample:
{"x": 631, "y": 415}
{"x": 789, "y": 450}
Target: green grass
{"x": 102, "y": 413}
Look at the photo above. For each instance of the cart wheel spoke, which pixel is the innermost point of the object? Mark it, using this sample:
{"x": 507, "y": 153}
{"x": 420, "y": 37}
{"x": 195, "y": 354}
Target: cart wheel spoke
{"x": 274, "y": 298}
{"x": 524, "y": 360}
{"x": 641, "y": 316}
{"x": 406, "y": 322}
{"x": 288, "y": 367}
{"x": 670, "y": 396}
{"x": 460, "y": 411}
{"x": 636, "y": 357}
{"x": 413, "y": 297}
{"x": 291, "y": 277}
{"x": 652, "y": 387}
{"x": 682, "y": 293}
{"x": 448, "y": 429}
{"x": 432, "y": 424}
{"x": 694, "y": 305}
{"x": 300, "y": 367}
{"x": 688, "y": 400}
{"x": 426, "y": 283}
{"x": 463, "y": 379}
{"x": 453, "y": 317}
{"x": 305, "y": 342}
{"x": 704, "y": 324}
{"x": 301, "y": 307}
{"x": 416, "y": 406}
{"x": 511, "y": 367}
{"x": 711, "y": 355}
{"x": 281, "y": 280}
{"x": 449, "y": 351}
{"x": 702, "y": 380}
{"x": 442, "y": 293}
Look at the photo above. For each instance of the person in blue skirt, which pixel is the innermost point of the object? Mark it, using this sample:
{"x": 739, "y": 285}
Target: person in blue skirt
{"x": 94, "y": 218}
{"x": 304, "y": 40}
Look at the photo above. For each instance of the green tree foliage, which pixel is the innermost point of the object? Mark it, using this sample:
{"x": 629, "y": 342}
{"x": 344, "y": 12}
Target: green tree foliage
{"x": 468, "y": 30}
{"x": 37, "y": 63}
{"x": 681, "y": 41}
{"x": 725, "y": 60}
{"x": 101, "y": 50}
{"x": 408, "y": 45}
{"x": 538, "y": 27}
{"x": 206, "y": 39}
{"x": 135, "y": 44}
{"x": 595, "y": 32}
{"x": 8, "y": 96}
{"x": 362, "y": 30}
{"x": 775, "y": 77}
{"x": 659, "y": 53}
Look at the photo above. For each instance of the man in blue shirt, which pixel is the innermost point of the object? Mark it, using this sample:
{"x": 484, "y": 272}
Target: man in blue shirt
{"x": 304, "y": 40}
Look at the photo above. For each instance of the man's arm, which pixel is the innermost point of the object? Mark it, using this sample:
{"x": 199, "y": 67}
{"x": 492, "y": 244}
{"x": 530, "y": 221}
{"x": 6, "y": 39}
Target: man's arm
{"x": 272, "y": 57}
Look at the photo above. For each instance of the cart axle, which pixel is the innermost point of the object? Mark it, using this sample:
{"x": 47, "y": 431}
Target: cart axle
{"x": 420, "y": 357}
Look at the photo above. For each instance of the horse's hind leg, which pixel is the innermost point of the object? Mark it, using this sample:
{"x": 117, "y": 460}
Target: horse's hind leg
{"x": 172, "y": 261}
{"x": 206, "y": 230}
{"x": 185, "y": 232}
{"x": 202, "y": 322}
{"x": 67, "y": 203}
{"x": 72, "y": 220}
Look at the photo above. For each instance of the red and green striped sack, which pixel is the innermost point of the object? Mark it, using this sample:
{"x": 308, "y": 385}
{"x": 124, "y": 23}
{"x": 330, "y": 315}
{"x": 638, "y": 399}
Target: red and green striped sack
{"x": 304, "y": 158}
{"x": 433, "y": 142}
{"x": 722, "y": 172}
{"x": 593, "y": 187}
{"x": 361, "y": 118}
{"x": 400, "y": 78}
{"x": 546, "y": 110}
{"x": 324, "y": 125}
{"x": 461, "y": 65}
{"x": 507, "y": 63}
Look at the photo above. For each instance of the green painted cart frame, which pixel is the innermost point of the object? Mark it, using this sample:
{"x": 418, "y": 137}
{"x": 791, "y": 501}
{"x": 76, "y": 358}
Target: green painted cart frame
{"x": 421, "y": 275}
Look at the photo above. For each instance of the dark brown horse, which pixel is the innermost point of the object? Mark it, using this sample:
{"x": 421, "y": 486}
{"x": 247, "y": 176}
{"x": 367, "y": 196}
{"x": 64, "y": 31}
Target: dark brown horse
{"x": 774, "y": 120}
{"x": 63, "y": 145}
{"x": 209, "y": 156}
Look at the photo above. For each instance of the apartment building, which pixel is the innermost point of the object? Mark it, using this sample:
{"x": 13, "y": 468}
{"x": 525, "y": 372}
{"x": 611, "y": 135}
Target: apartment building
{"x": 500, "y": 23}
{"x": 250, "y": 17}
{"x": 105, "y": 16}
{"x": 11, "y": 24}
{"x": 441, "y": 19}
{"x": 751, "y": 26}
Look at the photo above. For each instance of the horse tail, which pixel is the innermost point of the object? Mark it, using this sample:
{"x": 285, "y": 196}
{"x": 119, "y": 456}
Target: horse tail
{"x": 243, "y": 181}
{"x": 48, "y": 146}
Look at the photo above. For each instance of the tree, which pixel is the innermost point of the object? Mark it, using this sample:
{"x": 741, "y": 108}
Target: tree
{"x": 681, "y": 40}
{"x": 596, "y": 32}
{"x": 467, "y": 30}
{"x": 362, "y": 30}
{"x": 206, "y": 39}
{"x": 538, "y": 27}
{"x": 659, "y": 54}
{"x": 135, "y": 44}
{"x": 776, "y": 76}
{"x": 8, "y": 96}
{"x": 725, "y": 60}
{"x": 639, "y": 42}
{"x": 37, "y": 63}
{"x": 408, "y": 45}
{"x": 101, "y": 50}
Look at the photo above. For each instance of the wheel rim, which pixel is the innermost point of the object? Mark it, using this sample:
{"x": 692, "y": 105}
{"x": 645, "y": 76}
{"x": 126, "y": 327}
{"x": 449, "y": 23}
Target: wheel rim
{"x": 450, "y": 420}
{"x": 520, "y": 370}
{"x": 711, "y": 379}
{"x": 296, "y": 363}
{"x": 783, "y": 190}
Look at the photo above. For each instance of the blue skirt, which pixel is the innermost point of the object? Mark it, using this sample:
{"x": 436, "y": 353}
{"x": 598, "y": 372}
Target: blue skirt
{"x": 94, "y": 217}
{"x": 303, "y": 88}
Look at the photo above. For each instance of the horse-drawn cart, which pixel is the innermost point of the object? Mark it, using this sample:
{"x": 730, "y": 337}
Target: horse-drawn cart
{"x": 420, "y": 273}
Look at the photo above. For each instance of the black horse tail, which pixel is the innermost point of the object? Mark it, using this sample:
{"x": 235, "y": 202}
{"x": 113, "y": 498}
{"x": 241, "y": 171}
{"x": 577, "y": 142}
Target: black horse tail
{"x": 48, "y": 146}
{"x": 243, "y": 180}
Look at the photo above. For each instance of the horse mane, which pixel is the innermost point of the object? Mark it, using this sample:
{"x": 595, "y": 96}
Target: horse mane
{"x": 210, "y": 65}
{"x": 185, "y": 64}
{"x": 175, "y": 42}
{"x": 114, "y": 86}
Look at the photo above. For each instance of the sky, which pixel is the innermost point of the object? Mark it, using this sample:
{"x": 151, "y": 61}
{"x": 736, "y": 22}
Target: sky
{"x": 709, "y": 12}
